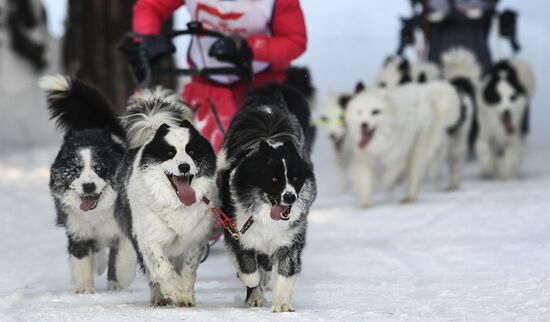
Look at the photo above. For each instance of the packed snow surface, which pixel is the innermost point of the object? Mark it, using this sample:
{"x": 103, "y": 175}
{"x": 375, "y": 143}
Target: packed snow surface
{"x": 478, "y": 254}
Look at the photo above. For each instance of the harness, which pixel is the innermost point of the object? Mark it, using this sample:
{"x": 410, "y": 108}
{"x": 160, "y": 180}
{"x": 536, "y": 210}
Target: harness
{"x": 229, "y": 224}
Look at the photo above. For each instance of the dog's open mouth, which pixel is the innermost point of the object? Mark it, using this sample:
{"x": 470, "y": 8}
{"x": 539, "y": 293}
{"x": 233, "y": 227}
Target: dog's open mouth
{"x": 182, "y": 186}
{"x": 509, "y": 127}
{"x": 279, "y": 211}
{"x": 366, "y": 136}
{"x": 89, "y": 202}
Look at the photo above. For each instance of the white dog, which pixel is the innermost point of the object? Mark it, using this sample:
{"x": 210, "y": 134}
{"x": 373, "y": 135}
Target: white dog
{"x": 332, "y": 118}
{"x": 505, "y": 94}
{"x": 399, "y": 131}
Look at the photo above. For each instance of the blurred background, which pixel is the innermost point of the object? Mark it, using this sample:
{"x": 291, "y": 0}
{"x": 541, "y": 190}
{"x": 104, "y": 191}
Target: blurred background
{"x": 347, "y": 42}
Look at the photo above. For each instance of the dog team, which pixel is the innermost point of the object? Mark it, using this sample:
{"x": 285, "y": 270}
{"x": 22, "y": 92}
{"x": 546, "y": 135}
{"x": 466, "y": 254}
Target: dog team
{"x": 419, "y": 117}
{"x": 142, "y": 189}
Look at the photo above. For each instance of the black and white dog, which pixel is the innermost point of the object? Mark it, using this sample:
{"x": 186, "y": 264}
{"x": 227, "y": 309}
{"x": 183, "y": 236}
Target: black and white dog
{"x": 161, "y": 180}
{"x": 82, "y": 182}
{"x": 505, "y": 94}
{"x": 267, "y": 177}
{"x": 398, "y": 70}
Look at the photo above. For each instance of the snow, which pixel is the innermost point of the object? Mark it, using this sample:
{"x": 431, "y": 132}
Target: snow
{"x": 482, "y": 253}
{"x": 478, "y": 254}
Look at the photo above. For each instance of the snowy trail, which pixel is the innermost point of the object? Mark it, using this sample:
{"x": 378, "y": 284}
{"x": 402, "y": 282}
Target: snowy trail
{"x": 479, "y": 254}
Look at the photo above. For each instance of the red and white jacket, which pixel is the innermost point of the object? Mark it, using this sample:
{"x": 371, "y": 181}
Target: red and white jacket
{"x": 274, "y": 29}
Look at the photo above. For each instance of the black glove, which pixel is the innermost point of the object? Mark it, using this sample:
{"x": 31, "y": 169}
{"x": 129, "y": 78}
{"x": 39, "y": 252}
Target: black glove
{"x": 235, "y": 50}
{"x": 143, "y": 51}
{"x": 508, "y": 28}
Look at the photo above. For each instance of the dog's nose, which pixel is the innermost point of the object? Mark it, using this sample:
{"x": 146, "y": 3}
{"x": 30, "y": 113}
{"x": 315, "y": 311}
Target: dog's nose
{"x": 88, "y": 187}
{"x": 184, "y": 168}
{"x": 289, "y": 198}
{"x": 364, "y": 127}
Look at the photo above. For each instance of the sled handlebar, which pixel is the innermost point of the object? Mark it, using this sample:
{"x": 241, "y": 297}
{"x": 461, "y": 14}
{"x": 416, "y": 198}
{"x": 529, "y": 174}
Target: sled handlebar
{"x": 150, "y": 49}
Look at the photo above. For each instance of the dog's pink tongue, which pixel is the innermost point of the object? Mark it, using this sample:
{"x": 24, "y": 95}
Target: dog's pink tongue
{"x": 277, "y": 211}
{"x": 186, "y": 194}
{"x": 509, "y": 127}
{"x": 87, "y": 203}
{"x": 365, "y": 139}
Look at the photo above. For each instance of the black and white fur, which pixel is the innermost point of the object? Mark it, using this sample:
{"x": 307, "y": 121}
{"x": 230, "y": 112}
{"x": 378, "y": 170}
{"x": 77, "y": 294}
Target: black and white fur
{"x": 398, "y": 70}
{"x": 267, "y": 175}
{"x": 461, "y": 69}
{"x": 82, "y": 183}
{"x": 505, "y": 95}
{"x": 162, "y": 178}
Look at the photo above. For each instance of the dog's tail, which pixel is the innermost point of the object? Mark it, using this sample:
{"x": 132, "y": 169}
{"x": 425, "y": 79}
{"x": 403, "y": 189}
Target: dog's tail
{"x": 148, "y": 110}
{"x": 300, "y": 78}
{"x": 462, "y": 70}
{"x": 76, "y": 105}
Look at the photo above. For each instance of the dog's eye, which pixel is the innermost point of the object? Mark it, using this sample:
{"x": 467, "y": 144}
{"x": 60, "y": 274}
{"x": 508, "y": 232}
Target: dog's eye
{"x": 324, "y": 119}
{"x": 294, "y": 179}
{"x": 98, "y": 168}
{"x": 514, "y": 97}
{"x": 190, "y": 152}
{"x": 375, "y": 112}
{"x": 275, "y": 179}
{"x": 171, "y": 153}
{"x": 382, "y": 84}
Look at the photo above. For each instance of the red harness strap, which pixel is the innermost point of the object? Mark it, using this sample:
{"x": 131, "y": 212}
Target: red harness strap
{"x": 229, "y": 224}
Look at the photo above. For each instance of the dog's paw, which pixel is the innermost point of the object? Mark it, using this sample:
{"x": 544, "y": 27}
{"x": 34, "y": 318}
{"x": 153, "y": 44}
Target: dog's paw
{"x": 282, "y": 307}
{"x": 186, "y": 299}
{"x": 161, "y": 301}
{"x": 256, "y": 299}
{"x": 85, "y": 290}
{"x": 408, "y": 200}
{"x": 156, "y": 297}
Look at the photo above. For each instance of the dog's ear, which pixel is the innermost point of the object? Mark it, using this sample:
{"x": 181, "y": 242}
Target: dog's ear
{"x": 161, "y": 131}
{"x": 388, "y": 60}
{"x": 343, "y": 101}
{"x": 68, "y": 135}
{"x": 186, "y": 124}
{"x": 265, "y": 147}
{"x": 359, "y": 87}
{"x": 289, "y": 146}
{"x": 278, "y": 98}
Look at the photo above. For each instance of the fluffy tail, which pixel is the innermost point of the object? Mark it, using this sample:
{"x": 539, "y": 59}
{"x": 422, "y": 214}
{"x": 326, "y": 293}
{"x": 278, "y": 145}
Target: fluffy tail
{"x": 77, "y": 106}
{"x": 460, "y": 63}
{"x": 461, "y": 69}
{"x": 300, "y": 78}
{"x": 148, "y": 110}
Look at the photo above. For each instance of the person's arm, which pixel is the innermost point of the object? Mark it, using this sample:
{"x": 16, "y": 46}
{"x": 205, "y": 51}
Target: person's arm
{"x": 149, "y": 15}
{"x": 289, "y": 38}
